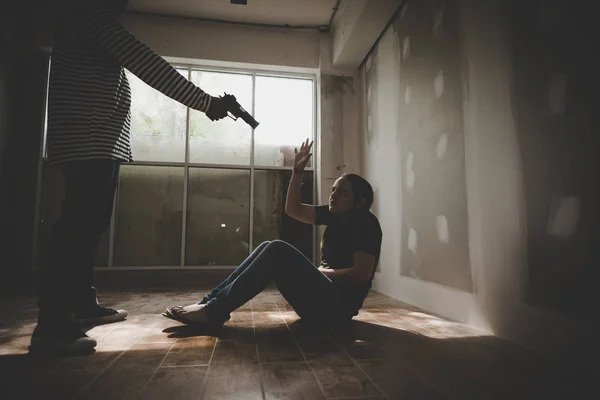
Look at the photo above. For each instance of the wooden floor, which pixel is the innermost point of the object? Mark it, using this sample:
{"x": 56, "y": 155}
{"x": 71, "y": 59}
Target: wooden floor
{"x": 390, "y": 351}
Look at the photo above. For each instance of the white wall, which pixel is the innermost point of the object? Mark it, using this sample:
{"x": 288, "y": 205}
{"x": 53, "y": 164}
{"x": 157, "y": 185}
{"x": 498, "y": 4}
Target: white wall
{"x": 495, "y": 194}
{"x": 357, "y": 25}
{"x": 174, "y": 37}
{"x": 382, "y": 166}
{"x": 186, "y": 38}
{"x": 338, "y": 124}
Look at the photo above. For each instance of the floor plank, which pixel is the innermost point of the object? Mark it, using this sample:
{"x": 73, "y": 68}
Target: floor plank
{"x": 389, "y": 351}
{"x": 286, "y": 381}
{"x": 191, "y": 351}
{"x": 241, "y": 381}
{"x": 176, "y": 383}
{"x": 129, "y": 374}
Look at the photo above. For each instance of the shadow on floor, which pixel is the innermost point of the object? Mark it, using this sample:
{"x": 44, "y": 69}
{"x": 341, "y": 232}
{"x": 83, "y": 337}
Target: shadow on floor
{"x": 389, "y": 351}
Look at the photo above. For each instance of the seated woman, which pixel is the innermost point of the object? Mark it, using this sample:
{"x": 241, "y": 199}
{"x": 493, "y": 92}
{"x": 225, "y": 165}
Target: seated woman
{"x": 333, "y": 292}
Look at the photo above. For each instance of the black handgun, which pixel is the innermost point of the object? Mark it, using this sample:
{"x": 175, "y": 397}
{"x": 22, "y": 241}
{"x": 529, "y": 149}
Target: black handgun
{"x": 235, "y": 111}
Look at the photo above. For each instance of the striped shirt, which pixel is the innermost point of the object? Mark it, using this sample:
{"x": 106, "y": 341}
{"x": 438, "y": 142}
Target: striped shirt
{"x": 89, "y": 97}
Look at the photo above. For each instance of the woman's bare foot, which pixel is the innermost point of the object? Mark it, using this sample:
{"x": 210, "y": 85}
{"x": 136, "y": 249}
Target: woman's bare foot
{"x": 193, "y": 313}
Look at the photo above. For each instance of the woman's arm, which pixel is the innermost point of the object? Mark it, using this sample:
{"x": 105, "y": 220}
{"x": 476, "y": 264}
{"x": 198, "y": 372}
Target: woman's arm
{"x": 359, "y": 273}
{"x": 293, "y": 204}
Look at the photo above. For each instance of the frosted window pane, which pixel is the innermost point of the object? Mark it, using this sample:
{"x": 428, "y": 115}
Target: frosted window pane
{"x": 158, "y": 123}
{"x": 270, "y": 220}
{"x": 149, "y": 216}
{"x": 284, "y": 108}
{"x": 218, "y": 216}
{"x": 225, "y": 141}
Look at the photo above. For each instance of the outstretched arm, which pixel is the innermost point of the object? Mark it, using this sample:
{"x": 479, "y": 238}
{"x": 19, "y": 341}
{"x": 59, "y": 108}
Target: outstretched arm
{"x": 139, "y": 58}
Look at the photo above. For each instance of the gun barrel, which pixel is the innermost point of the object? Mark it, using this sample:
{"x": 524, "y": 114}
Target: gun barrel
{"x": 249, "y": 120}
{"x": 238, "y": 111}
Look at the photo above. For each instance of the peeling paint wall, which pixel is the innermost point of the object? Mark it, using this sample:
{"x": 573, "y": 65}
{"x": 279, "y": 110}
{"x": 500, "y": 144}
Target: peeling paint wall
{"x": 414, "y": 106}
{"x": 530, "y": 129}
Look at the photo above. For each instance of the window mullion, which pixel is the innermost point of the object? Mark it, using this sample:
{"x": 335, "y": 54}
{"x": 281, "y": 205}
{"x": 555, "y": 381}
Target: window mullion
{"x": 186, "y": 174}
{"x": 251, "y": 219}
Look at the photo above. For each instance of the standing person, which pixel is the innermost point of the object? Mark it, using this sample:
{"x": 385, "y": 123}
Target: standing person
{"x": 332, "y": 293}
{"x": 88, "y": 138}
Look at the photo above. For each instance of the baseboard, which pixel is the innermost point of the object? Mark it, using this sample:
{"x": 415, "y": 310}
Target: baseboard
{"x": 444, "y": 301}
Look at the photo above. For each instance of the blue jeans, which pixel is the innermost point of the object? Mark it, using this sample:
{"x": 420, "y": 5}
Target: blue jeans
{"x": 311, "y": 294}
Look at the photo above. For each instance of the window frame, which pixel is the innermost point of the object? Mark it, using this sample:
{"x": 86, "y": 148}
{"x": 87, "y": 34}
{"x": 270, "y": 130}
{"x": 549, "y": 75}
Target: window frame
{"x": 186, "y": 164}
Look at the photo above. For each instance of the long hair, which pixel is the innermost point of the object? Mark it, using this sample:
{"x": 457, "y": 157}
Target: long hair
{"x": 363, "y": 192}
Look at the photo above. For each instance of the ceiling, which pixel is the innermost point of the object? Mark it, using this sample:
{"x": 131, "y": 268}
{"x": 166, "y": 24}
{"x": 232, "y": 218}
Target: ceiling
{"x": 277, "y": 12}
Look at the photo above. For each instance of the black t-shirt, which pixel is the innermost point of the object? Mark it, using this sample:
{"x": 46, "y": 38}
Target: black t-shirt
{"x": 361, "y": 232}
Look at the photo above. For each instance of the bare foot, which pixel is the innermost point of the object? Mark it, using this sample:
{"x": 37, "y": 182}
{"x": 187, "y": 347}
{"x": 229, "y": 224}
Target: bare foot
{"x": 193, "y": 313}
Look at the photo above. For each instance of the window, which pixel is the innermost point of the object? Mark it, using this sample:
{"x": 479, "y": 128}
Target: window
{"x": 218, "y": 216}
{"x": 203, "y": 194}
{"x": 149, "y": 216}
{"x": 227, "y": 141}
{"x": 158, "y": 124}
{"x": 270, "y": 220}
{"x": 284, "y": 107}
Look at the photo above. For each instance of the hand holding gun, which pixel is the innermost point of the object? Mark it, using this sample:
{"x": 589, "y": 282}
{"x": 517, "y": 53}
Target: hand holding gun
{"x": 227, "y": 104}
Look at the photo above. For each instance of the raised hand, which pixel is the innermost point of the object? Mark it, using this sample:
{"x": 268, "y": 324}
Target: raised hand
{"x": 301, "y": 157}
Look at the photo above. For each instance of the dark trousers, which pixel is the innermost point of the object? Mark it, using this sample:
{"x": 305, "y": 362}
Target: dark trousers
{"x": 67, "y": 274}
{"x": 311, "y": 294}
